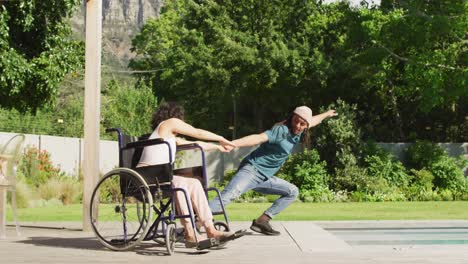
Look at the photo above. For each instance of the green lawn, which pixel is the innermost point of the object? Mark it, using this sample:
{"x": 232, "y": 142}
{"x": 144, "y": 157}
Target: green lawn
{"x": 297, "y": 211}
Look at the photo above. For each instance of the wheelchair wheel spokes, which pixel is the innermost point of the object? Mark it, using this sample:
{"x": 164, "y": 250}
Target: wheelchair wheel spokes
{"x": 120, "y": 209}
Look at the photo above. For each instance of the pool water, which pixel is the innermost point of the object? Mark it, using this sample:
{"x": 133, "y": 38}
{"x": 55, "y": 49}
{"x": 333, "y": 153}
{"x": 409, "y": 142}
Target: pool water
{"x": 402, "y": 236}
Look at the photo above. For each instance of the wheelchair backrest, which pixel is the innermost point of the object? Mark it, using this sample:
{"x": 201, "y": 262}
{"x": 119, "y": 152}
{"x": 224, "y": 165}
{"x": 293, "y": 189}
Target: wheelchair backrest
{"x": 130, "y": 151}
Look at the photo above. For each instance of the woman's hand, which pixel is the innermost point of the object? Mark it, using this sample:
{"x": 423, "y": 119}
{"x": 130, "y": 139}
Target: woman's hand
{"x": 226, "y": 144}
{"x": 207, "y": 146}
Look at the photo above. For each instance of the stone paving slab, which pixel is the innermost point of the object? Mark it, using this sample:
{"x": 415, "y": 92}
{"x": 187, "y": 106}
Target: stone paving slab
{"x": 299, "y": 242}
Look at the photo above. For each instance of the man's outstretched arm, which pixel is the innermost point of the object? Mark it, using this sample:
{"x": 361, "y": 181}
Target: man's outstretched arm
{"x": 317, "y": 119}
{"x": 251, "y": 140}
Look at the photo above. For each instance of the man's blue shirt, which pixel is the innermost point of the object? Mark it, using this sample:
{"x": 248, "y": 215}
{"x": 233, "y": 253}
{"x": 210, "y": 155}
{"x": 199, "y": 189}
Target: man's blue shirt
{"x": 270, "y": 156}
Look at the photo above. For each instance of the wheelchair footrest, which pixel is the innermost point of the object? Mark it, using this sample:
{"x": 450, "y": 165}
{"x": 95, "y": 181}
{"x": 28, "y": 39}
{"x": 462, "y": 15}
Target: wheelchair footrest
{"x": 208, "y": 243}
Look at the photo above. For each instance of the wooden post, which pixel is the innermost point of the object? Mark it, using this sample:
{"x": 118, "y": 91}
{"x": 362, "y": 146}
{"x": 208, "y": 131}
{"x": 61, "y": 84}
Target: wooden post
{"x": 3, "y": 208}
{"x": 92, "y": 105}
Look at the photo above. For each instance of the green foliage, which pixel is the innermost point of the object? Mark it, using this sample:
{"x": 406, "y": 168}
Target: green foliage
{"x": 394, "y": 196}
{"x": 37, "y": 168}
{"x": 339, "y": 142}
{"x": 128, "y": 108}
{"x": 446, "y": 195}
{"x": 447, "y": 171}
{"x": 224, "y": 59}
{"x": 308, "y": 173}
{"x": 24, "y": 193}
{"x": 66, "y": 189}
{"x": 422, "y": 154}
{"x": 349, "y": 176}
{"x": 110, "y": 190}
{"x": 422, "y": 179}
{"x": 382, "y": 164}
{"x": 388, "y": 168}
{"x": 65, "y": 119}
{"x": 36, "y": 52}
{"x": 403, "y": 64}
{"x": 447, "y": 174}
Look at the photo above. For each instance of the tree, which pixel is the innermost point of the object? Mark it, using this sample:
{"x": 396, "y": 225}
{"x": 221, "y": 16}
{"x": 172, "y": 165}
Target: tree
{"x": 247, "y": 63}
{"x": 218, "y": 56}
{"x": 36, "y": 51}
{"x": 411, "y": 62}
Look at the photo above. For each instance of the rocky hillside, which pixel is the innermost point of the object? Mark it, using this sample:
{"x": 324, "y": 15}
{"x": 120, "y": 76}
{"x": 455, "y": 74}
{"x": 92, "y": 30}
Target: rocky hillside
{"x": 121, "y": 20}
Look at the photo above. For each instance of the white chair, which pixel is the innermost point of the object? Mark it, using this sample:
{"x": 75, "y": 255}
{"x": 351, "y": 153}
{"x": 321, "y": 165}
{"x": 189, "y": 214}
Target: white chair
{"x": 10, "y": 154}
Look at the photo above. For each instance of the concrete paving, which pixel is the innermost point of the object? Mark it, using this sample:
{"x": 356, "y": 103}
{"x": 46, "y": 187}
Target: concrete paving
{"x": 299, "y": 242}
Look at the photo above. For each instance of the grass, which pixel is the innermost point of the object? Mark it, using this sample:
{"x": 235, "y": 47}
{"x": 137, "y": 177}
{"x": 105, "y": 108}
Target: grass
{"x": 297, "y": 211}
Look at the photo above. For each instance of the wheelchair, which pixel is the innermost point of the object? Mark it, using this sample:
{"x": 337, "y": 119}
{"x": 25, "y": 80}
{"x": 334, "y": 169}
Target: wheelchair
{"x": 127, "y": 199}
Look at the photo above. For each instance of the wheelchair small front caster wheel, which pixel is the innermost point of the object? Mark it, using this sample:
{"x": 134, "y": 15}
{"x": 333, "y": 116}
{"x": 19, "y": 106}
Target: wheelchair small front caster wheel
{"x": 170, "y": 238}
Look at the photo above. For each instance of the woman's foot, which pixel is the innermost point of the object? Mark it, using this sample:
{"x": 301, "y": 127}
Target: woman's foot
{"x": 189, "y": 237}
{"x": 213, "y": 233}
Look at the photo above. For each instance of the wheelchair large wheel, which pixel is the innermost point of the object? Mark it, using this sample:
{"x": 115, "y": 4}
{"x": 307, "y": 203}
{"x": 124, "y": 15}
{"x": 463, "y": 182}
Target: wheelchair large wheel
{"x": 121, "y": 209}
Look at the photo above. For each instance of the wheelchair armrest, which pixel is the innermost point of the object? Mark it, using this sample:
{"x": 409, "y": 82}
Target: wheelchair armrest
{"x": 145, "y": 143}
{"x": 188, "y": 147}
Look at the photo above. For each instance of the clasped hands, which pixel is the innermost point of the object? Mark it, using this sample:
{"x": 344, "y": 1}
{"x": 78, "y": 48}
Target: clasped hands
{"x": 226, "y": 145}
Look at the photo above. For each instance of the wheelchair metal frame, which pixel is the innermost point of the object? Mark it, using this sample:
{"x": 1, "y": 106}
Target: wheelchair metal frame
{"x": 143, "y": 195}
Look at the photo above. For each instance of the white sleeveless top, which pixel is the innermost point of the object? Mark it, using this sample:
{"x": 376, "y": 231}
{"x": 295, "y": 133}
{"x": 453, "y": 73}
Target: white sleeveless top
{"x": 158, "y": 154}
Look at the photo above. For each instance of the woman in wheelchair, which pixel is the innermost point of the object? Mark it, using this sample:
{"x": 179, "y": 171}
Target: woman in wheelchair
{"x": 167, "y": 123}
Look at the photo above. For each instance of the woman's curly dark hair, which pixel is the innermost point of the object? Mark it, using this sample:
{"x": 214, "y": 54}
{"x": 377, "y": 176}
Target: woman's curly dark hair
{"x": 305, "y": 137}
{"x": 165, "y": 111}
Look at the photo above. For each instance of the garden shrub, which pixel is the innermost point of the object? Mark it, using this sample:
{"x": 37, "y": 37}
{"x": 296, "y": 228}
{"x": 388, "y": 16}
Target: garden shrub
{"x": 71, "y": 190}
{"x": 127, "y": 107}
{"x": 350, "y": 176}
{"x": 341, "y": 196}
{"x": 447, "y": 171}
{"x": 447, "y": 174}
{"x": 320, "y": 195}
{"x": 307, "y": 172}
{"x": 446, "y": 195}
{"x": 422, "y": 154}
{"x": 37, "y": 168}
{"x": 110, "y": 190}
{"x": 358, "y": 196}
{"x": 388, "y": 168}
{"x": 340, "y": 134}
{"x": 422, "y": 179}
{"x": 50, "y": 190}
{"x": 420, "y": 188}
{"x": 66, "y": 189}
{"x": 24, "y": 194}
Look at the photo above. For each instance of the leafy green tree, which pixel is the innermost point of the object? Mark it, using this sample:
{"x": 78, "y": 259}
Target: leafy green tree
{"x": 221, "y": 57}
{"x": 246, "y": 63}
{"x": 36, "y": 51}
{"x": 128, "y": 108}
{"x": 410, "y": 60}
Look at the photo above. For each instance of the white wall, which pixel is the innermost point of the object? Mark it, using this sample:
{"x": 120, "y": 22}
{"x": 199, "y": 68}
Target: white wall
{"x": 67, "y": 152}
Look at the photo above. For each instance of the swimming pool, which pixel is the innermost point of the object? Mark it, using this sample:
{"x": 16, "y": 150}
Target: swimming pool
{"x": 402, "y": 236}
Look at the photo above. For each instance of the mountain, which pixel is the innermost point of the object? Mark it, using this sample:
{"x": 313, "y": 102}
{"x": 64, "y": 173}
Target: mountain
{"x": 121, "y": 20}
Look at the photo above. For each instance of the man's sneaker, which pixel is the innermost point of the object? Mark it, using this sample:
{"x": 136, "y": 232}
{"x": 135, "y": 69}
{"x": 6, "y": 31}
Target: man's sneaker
{"x": 264, "y": 228}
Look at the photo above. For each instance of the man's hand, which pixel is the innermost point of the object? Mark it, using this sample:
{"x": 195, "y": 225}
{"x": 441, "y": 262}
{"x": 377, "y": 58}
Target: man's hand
{"x": 332, "y": 113}
{"x": 226, "y": 144}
